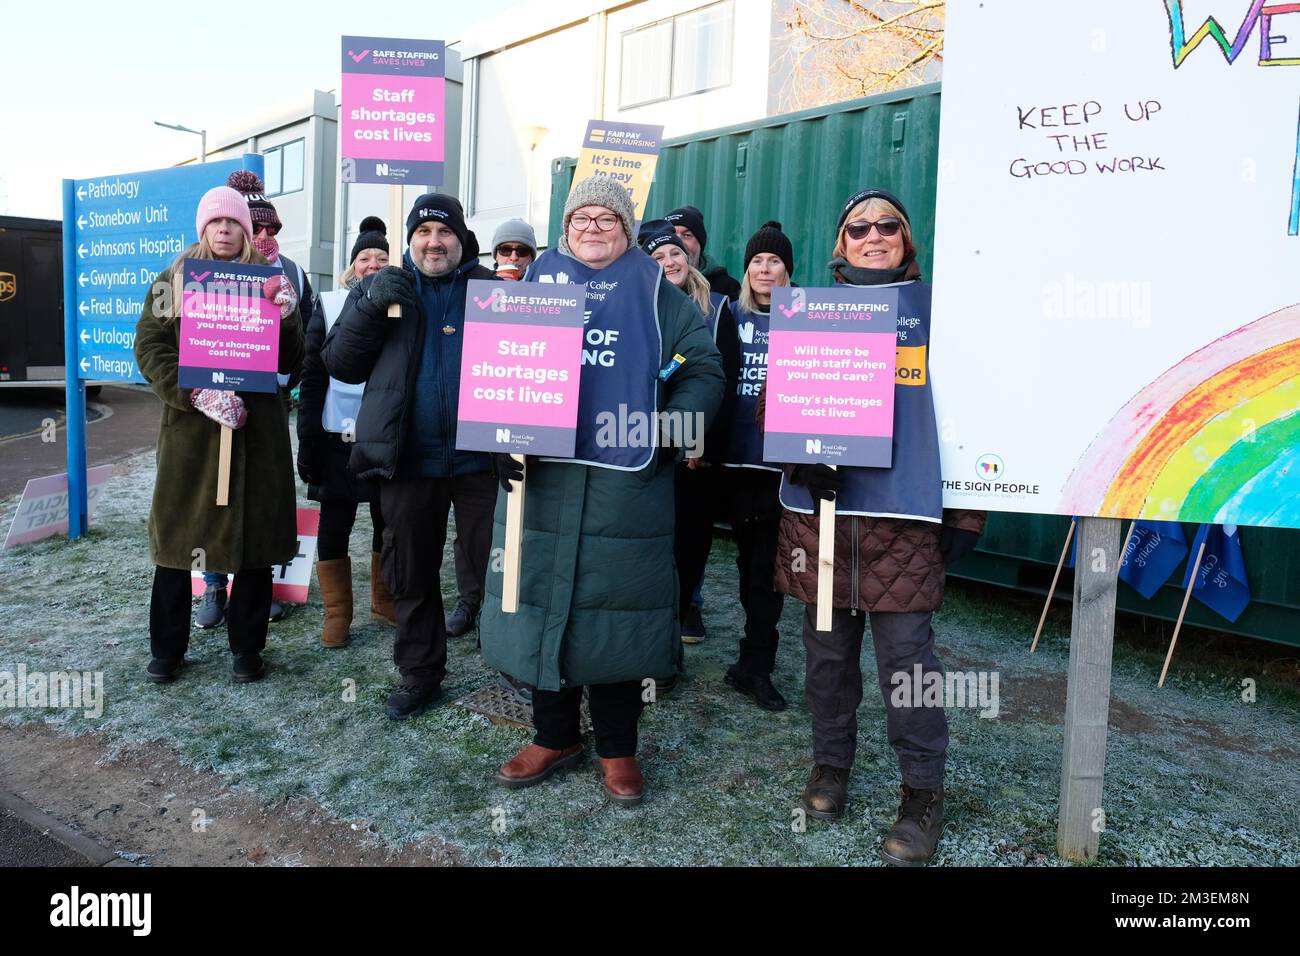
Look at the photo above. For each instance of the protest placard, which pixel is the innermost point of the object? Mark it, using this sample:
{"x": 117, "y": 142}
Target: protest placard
{"x": 229, "y": 330}
{"x": 43, "y": 509}
{"x": 520, "y": 368}
{"x": 830, "y": 376}
{"x": 626, "y": 153}
{"x": 289, "y": 581}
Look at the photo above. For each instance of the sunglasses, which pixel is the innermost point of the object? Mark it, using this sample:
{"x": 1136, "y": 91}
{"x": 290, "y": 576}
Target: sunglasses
{"x": 262, "y": 227}
{"x": 514, "y": 251}
{"x": 861, "y": 229}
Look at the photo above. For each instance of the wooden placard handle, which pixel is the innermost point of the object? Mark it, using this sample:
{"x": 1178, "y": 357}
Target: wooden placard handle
{"x": 396, "y": 222}
{"x": 1178, "y": 625}
{"x": 826, "y": 564}
{"x": 514, "y": 541}
{"x": 223, "y": 467}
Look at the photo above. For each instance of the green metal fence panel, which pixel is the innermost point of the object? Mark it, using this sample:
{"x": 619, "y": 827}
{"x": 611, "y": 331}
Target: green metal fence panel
{"x": 798, "y": 168}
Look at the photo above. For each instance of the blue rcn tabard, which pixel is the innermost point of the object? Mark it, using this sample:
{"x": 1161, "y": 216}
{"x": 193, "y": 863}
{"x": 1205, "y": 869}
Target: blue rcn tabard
{"x": 621, "y": 349}
{"x": 913, "y": 487}
{"x": 745, "y": 443}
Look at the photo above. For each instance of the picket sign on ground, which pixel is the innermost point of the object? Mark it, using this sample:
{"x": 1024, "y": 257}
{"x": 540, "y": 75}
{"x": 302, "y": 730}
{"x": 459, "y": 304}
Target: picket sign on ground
{"x": 290, "y": 581}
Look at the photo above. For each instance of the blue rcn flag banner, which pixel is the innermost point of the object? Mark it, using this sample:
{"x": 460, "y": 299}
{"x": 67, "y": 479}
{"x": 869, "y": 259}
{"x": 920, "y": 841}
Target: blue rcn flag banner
{"x": 1221, "y": 579}
{"x": 1152, "y": 553}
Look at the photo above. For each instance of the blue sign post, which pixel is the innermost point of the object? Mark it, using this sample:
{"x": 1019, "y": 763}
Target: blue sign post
{"x": 119, "y": 232}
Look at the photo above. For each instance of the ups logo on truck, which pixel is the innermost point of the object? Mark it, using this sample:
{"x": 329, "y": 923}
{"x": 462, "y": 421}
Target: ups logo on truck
{"x": 8, "y": 286}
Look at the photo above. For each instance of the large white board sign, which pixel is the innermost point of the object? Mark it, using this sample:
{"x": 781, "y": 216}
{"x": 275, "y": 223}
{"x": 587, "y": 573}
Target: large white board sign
{"x": 1116, "y": 318}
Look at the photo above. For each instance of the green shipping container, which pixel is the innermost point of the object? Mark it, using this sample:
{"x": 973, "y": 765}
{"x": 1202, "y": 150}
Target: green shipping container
{"x": 798, "y": 168}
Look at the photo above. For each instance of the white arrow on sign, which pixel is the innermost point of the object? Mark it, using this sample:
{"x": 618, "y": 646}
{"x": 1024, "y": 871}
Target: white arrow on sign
{"x": 81, "y": 192}
{"x": 81, "y": 278}
{"x": 81, "y": 222}
{"x": 84, "y": 335}
{"x": 82, "y": 250}
{"x": 85, "y": 365}
{"x": 83, "y": 308}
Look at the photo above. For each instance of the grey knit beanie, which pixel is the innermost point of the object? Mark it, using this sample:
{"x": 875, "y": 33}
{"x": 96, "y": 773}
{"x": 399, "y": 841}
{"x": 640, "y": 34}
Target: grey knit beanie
{"x": 515, "y": 230}
{"x": 598, "y": 191}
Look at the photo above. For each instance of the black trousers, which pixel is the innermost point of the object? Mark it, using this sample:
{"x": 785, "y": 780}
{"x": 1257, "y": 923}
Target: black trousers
{"x": 833, "y": 686}
{"x": 696, "y": 507}
{"x": 247, "y": 612}
{"x": 337, "y": 517}
{"x": 415, "y": 532}
{"x": 615, "y": 710}
{"x": 473, "y": 511}
{"x": 755, "y": 509}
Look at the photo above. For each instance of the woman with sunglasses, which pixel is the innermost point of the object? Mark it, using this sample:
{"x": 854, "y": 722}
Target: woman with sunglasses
{"x": 750, "y": 484}
{"x": 893, "y": 539}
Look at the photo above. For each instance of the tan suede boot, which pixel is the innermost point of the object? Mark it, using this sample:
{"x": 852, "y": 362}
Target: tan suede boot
{"x": 335, "y": 578}
{"x": 381, "y": 599}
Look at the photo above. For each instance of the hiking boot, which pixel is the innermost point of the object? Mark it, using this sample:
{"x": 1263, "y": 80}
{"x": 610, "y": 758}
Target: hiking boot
{"x": 410, "y": 700}
{"x": 461, "y": 620}
{"x": 248, "y": 667}
{"x": 757, "y": 687}
{"x": 826, "y": 793}
{"x": 693, "y": 631}
{"x": 534, "y": 764}
{"x": 212, "y": 609}
{"x": 277, "y": 611}
{"x": 164, "y": 670}
{"x": 912, "y": 840}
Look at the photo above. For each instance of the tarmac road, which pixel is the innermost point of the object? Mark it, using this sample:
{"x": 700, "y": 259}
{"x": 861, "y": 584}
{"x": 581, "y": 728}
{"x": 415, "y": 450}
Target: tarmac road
{"x": 122, "y": 421}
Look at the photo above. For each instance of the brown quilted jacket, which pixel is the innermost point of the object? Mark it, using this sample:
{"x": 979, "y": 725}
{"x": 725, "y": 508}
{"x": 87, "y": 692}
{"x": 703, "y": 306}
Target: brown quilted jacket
{"x": 881, "y": 564}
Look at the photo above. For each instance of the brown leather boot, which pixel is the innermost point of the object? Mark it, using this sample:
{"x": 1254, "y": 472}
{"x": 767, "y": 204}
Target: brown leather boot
{"x": 913, "y": 838}
{"x": 623, "y": 780}
{"x": 535, "y": 763}
{"x": 381, "y": 599}
{"x": 335, "y": 578}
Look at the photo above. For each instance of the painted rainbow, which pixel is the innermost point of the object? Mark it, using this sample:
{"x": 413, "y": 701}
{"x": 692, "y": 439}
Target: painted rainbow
{"x": 1215, "y": 439}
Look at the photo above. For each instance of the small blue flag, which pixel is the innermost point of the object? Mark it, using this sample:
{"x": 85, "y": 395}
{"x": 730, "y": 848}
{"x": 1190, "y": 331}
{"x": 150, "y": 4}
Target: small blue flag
{"x": 1074, "y": 541}
{"x": 1221, "y": 579}
{"x": 1152, "y": 553}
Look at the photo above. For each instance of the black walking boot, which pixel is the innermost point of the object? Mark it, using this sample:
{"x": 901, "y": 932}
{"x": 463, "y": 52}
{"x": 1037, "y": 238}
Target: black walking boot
{"x": 410, "y": 700}
{"x": 827, "y": 792}
{"x": 461, "y": 619}
{"x": 756, "y": 686}
{"x": 912, "y": 840}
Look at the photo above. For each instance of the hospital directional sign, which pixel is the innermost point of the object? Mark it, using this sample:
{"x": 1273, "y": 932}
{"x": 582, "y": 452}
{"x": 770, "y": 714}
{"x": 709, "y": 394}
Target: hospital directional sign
{"x": 123, "y": 230}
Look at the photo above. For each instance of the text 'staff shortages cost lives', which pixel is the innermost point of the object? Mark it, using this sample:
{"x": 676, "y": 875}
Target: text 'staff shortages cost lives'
{"x": 392, "y": 125}
{"x": 124, "y": 230}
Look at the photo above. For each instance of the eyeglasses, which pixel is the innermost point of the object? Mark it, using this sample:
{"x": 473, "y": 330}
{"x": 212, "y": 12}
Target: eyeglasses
{"x": 861, "y": 229}
{"x": 265, "y": 227}
{"x": 519, "y": 251}
{"x": 580, "y": 222}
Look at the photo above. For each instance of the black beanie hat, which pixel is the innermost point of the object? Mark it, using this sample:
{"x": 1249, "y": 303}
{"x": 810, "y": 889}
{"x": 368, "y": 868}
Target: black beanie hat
{"x": 770, "y": 238}
{"x": 862, "y": 195}
{"x": 657, "y": 233}
{"x": 374, "y": 235}
{"x": 441, "y": 208}
{"x": 692, "y": 219}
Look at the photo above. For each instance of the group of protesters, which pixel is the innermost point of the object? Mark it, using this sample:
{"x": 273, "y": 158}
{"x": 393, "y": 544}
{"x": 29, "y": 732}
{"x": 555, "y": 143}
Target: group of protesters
{"x": 616, "y": 538}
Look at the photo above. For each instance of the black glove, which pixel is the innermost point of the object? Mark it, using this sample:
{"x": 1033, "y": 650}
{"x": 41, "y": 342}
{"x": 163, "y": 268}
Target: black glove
{"x": 506, "y": 470}
{"x": 393, "y": 286}
{"x": 956, "y": 543}
{"x": 822, "y": 481}
{"x": 312, "y": 455}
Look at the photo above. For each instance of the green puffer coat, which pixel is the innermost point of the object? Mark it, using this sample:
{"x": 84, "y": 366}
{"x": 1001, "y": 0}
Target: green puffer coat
{"x": 598, "y": 587}
{"x": 258, "y": 528}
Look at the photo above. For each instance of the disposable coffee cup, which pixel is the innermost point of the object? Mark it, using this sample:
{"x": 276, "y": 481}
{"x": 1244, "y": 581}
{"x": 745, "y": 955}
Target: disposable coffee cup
{"x": 510, "y": 271}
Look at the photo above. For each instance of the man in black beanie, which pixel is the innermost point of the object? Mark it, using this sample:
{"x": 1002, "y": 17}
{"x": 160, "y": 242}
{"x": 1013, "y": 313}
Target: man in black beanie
{"x": 689, "y": 223}
{"x": 406, "y": 430}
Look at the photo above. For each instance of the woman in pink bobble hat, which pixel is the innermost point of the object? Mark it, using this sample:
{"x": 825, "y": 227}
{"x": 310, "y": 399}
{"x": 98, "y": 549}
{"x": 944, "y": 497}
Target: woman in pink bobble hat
{"x": 187, "y": 530}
